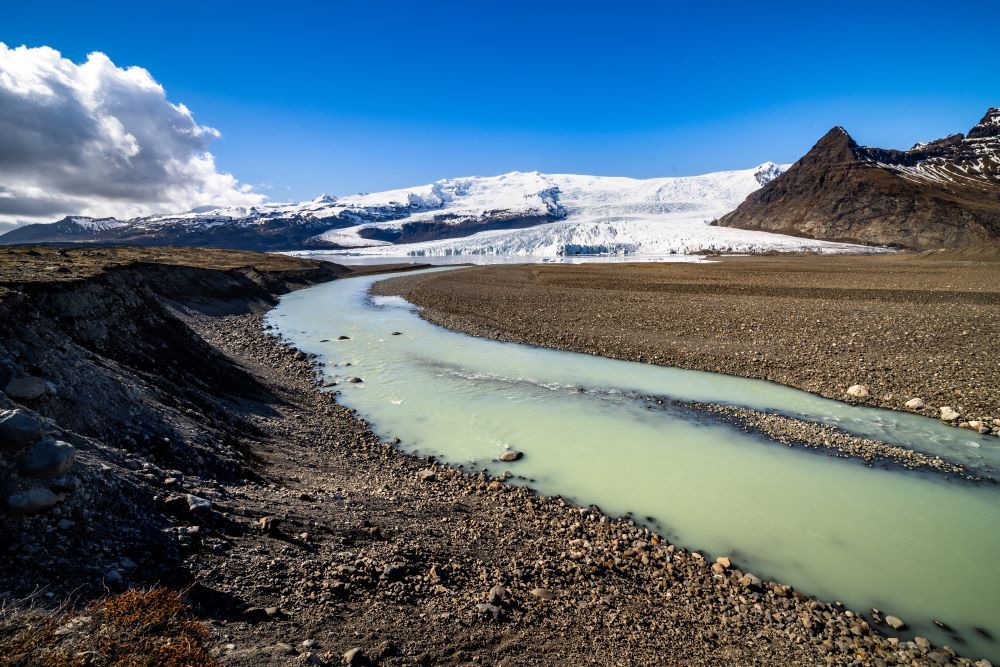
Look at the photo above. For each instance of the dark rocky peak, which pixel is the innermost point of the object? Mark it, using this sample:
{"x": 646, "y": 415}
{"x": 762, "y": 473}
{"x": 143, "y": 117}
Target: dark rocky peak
{"x": 988, "y": 127}
{"x": 835, "y": 146}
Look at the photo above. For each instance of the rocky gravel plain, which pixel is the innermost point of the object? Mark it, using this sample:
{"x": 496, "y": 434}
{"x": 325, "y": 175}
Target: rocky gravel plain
{"x": 352, "y": 548}
{"x": 208, "y": 457}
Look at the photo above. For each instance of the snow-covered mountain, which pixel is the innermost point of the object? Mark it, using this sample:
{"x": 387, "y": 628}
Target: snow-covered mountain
{"x": 518, "y": 213}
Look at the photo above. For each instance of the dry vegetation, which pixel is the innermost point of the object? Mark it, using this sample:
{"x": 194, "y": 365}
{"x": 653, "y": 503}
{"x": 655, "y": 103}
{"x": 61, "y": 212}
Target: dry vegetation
{"x": 151, "y": 627}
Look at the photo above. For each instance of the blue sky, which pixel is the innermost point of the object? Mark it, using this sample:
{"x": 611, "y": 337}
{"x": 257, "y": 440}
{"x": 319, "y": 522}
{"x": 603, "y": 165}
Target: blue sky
{"x": 347, "y": 97}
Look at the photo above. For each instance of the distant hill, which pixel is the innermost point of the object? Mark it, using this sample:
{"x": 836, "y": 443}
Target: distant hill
{"x": 944, "y": 193}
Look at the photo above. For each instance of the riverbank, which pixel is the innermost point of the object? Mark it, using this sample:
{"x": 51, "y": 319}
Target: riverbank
{"x": 903, "y": 327}
{"x": 208, "y": 459}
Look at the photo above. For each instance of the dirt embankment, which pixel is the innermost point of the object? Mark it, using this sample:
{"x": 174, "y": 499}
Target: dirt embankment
{"x": 903, "y": 326}
{"x": 208, "y": 460}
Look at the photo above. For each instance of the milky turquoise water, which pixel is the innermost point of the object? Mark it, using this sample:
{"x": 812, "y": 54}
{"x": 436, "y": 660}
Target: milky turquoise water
{"x": 912, "y": 544}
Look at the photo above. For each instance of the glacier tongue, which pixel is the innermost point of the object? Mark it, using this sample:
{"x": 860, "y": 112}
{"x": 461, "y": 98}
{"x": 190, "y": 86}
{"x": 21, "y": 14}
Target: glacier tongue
{"x": 597, "y": 215}
{"x": 655, "y": 235}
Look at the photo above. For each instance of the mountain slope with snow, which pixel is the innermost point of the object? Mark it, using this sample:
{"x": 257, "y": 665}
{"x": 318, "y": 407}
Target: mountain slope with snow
{"x": 939, "y": 194}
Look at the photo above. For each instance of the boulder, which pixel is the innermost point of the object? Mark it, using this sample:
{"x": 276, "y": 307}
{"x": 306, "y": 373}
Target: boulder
{"x": 915, "y": 404}
{"x": 26, "y": 388}
{"x": 47, "y": 458}
{"x": 949, "y": 415}
{"x": 511, "y": 455}
{"x": 895, "y": 622}
{"x": 356, "y": 656}
{"x": 32, "y": 501}
{"x": 197, "y": 504}
{"x": 18, "y": 429}
{"x": 857, "y": 391}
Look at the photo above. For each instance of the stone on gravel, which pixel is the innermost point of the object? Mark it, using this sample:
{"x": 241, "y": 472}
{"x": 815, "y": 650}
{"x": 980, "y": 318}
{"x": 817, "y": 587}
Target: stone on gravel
{"x": 496, "y": 594}
{"x": 895, "y": 622}
{"x": 511, "y": 455}
{"x": 48, "y": 458}
{"x": 949, "y": 415}
{"x": 66, "y": 484}
{"x": 723, "y": 561}
{"x": 18, "y": 429}
{"x": 857, "y": 391}
{"x": 31, "y": 501}
{"x": 26, "y": 388}
{"x": 915, "y": 404}
{"x": 543, "y": 593}
{"x": 197, "y": 504}
{"x": 355, "y": 656}
{"x": 427, "y": 475}
{"x": 492, "y": 610}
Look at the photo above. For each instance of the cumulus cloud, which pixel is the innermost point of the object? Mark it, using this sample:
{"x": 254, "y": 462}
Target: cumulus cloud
{"x": 97, "y": 139}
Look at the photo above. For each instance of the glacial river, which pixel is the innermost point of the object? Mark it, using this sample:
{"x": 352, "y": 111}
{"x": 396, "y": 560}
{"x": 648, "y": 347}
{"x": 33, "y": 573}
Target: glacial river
{"x": 911, "y": 544}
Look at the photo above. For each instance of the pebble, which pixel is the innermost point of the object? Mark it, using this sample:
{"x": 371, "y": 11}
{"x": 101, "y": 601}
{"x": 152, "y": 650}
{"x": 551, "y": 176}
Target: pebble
{"x": 26, "y": 388}
{"x": 196, "y": 504}
{"x": 511, "y": 455}
{"x": 32, "y": 501}
{"x": 48, "y": 458}
{"x": 915, "y": 404}
{"x": 895, "y": 622}
{"x": 65, "y": 484}
{"x": 18, "y": 429}
{"x": 543, "y": 593}
{"x": 496, "y": 594}
{"x": 948, "y": 414}
{"x": 857, "y": 391}
{"x": 355, "y": 656}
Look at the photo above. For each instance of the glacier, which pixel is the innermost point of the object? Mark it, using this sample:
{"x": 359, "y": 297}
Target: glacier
{"x": 597, "y": 215}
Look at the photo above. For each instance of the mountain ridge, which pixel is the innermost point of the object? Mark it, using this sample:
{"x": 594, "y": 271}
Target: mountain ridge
{"x": 448, "y": 208}
{"x": 942, "y": 193}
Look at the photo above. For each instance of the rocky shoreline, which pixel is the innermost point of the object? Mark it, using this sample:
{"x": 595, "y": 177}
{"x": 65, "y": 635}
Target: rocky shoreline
{"x": 529, "y": 569}
{"x": 210, "y": 460}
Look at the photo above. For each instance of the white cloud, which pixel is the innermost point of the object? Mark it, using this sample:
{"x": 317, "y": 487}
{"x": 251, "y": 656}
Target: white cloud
{"x": 97, "y": 139}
